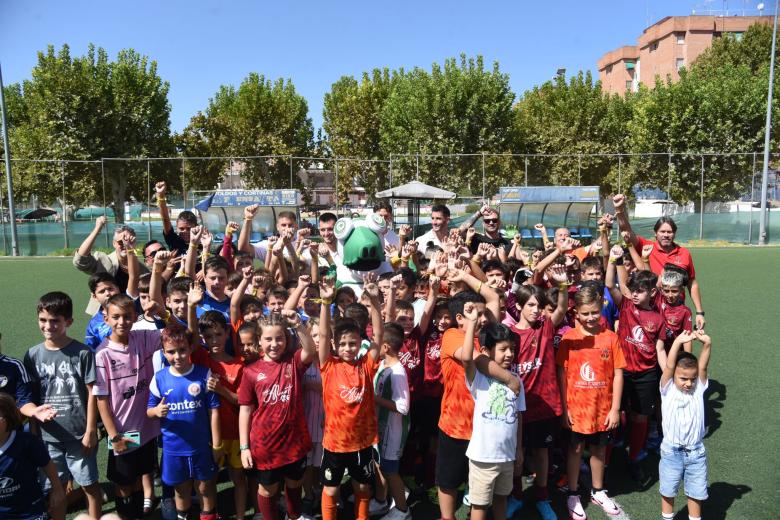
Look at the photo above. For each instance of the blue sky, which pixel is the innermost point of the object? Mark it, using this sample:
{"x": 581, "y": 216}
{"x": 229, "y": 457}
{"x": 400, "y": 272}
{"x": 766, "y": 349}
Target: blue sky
{"x": 201, "y": 45}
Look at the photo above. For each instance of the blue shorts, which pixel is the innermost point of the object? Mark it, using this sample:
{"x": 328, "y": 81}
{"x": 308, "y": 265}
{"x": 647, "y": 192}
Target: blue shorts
{"x": 683, "y": 464}
{"x": 180, "y": 468}
{"x": 389, "y": 466}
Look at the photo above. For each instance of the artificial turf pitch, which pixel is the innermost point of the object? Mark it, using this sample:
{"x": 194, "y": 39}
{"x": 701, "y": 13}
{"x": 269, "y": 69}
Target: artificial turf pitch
{"x": 739, "y": 290}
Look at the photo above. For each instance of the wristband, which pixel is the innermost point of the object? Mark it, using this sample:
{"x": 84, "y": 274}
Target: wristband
{"x": 161, "y": 200}
{"x": 612, "y": 260}
{"x": 243, "y": 447}
{"x": 326, "y": 301}
{"x": 699, "y": 313}
{"x": 217, "y": 447}
{"x": 193, "y": 245}
{"x": 564, "y": 285}
{"x": 479, "y": 288}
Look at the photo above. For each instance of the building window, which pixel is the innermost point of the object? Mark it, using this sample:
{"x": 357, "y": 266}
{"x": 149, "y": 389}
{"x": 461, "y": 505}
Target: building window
{"x": 653, "y": 46}
{"x": 629, "y": 84}
{"x": 737, "y": 36}
{"x": 680, "y": 63}
{"x": 609, "y": 69}
{"x": 680, "y": 38}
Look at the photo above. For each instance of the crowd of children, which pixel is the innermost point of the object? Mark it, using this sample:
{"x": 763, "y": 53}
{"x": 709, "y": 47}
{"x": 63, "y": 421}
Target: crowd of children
{"x": 473, "y": 362}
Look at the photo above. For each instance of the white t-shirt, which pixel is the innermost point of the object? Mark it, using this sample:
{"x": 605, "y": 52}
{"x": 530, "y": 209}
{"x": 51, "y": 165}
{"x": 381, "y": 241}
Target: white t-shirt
{"x": 683, "y": 413}
{"x": 392, "y": 238}
{"x": 496, "y": 407}
{"x": 393, "y": 426}
{"x": 261, "y": 249}
{"x": 430, "y": 236}
{"x": 419, "y": 308}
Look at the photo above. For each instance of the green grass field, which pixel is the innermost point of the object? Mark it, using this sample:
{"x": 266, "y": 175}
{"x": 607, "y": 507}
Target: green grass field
{"x": 739, "y": 288}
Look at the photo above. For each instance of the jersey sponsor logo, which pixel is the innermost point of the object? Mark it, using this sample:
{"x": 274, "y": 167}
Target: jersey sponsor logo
{"x": 194, "y": 389}
{"x": 8, "y": 486}
{"x": 277, "y": 394}
{"x": 261, "y": 377}
{"x": 434, "y": 351}
{"x": 3, "y": 381}
{"x": 526, "y": 366}
{"x": 409, "y": 361}
{"x": 185, "y": 406}
{"x": 352, "y": 394}
{"x": 587, "y": 373}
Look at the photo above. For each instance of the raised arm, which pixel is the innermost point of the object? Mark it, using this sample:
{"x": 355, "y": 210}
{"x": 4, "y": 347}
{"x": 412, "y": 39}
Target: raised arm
{"x": 327, "y": 291}
{"x": 194, "y": 297}
{"x": 191, "y": 261}
{"x": 492, "y": 299}
{"x": 246, "y": 230}
{"x": 161, "y": 190}
{"x": 156, "y": 282}
{"x": 235, "y": 298}
{"x": 622, "y": 217}
{"x": 433, "y": 290}
{"x": 227, "y": 243}
{"x": 377, "y": 326}
{"x": 295, "y": 296}
{"x": 85, "y": 249}
{"x": 704, "y": 355}
{"x": 308, "y": 351}
{"x": 467, "y": 350}
{"x": 693, "y": 287}
{"x": 132, "y": 269}
{"x": 671, "y": 358}
{"x": 609, "y": 280}
{"x": 638, "y": 259}
{"x": 560, "y": 278}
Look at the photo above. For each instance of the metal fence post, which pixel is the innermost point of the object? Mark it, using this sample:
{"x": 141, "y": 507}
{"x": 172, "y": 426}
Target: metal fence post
{"x": 148, "y": 201}
{"x": 752, "y": 196}
{"x": 291, "y": 171}
{"x": 483, "y": 177}
{"x": 620, "y": 173}
{"x": 64, "y": 207}
{"x": 391, "y": 171}
{"x": 417, "y": 167}
{"x": 336, "y": 185}
{"x": 2, "y": 219}
{"x": 105, "y": 207}
{"x": 701, "y": 202}
{"x": 669, "y": 178}
{"x": 579, "y": 170}
{"x": 526, "y": 171}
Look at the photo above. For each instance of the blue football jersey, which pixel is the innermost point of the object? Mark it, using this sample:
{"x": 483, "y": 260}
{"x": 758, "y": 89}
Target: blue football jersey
{"x": 186, "y": 429}
{"x": 14, "y": 380}
{"x": 21, "y": 458}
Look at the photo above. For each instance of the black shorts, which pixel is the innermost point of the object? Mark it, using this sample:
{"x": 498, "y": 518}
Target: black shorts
{"x": 452, "y": 465}
{"x": 541, "y": 434}
{"x": 291, "y": 471}
{"x": 425, "y": 415}
{"x": 591, "y": 439}
{"x": 640, "y": 391}
{"x": 126, "y": 470}
{"x": 359, "y": 465}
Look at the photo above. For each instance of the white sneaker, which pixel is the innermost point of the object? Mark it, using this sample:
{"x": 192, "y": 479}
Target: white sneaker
{"x": 600, "y": 498}
{"x": 378, "y": 508}
{"x": 392, "y": 500}
{"x": 397, "y": 514}
{"x": 303, "y": 517}
{"x": 576, "y": 512}
{"x": 257, "y": 516}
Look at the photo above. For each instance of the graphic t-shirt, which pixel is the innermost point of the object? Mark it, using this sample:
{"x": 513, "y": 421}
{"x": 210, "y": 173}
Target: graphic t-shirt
{"x": 432, "y": 386}
{"x": 21, "y": 458}
{"x": 348, "y": 394}
{"x": 677, "y": 318}
{"x": 589, "y": 363}
{"x": 124, "y": 373}
{"x": 186, "y": 430}
{"x": 391, "y": 383}
{"x": 14, "y": 380}
{"x": 411, "y": 357}
{"x": 275, "y": 389}
{"x": 496, "y": 408}
{"x": 457, "y": 405}
{"x": 229, "y": 374}
{"x": 639, "y": 330}
{"x": 62, "y": 376}
{"x": 535, "y": 364}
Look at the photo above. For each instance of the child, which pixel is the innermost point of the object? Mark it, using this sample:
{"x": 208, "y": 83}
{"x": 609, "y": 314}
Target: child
{"x": 590, "y": 376}
{"x": 392, "y": 397}
{"x": 271, "y": 407}
{"x": 314, "y": 410}
{"x": 63, "y": 371}
{"x": 22, "y": 457}
{"x": 495, "y": 450}
{"x": 176, "y": 298}
{"x": 277, "y": 297}
{"x": 102, "y": 286}
{"x": 348, "y": 393}
{"x": 683, "y": 383}
{"x": 640, "y": 332}
{"x": 535, "y": 364}
{"x": 124, "y": 371}
{"x": 248, "y": 343}
{"x": 676, "y": 314}
{"x": 189, "y": 420}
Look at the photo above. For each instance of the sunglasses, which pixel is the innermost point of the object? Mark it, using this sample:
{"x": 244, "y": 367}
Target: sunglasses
{"x": 489, "y": 220}
{"x": 154, "y": 253}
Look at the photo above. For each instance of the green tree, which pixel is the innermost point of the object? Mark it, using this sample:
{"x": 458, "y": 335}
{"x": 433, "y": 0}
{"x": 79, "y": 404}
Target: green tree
{"x": 87, "y": 108}
{"x": 457, "y": 108}
{"x": 259, "y": 118}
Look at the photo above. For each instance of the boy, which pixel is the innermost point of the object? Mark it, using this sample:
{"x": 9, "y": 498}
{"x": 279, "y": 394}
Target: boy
{"x": 640, "y": 332}
{"x": 669, "y": 302}
{"x": 63, "y": 371}
{"x": 392, "y": 398}
{"x": 592, "y": 269}
{"x": 215, "y": 272}
{"x": 683, "y": 383}
{"x": 189, "y": 420}
{"x": 102, "y": 286}
{"x": 495, "y": 450}
{"x": 348, "y": 394}
{"x": 176, "y": 298}
{"x": 177, "y": 238}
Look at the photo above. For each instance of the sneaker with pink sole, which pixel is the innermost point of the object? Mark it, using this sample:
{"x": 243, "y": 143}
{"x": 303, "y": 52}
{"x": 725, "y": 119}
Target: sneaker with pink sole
{"x": 601, "y": 499}
{"x": 576, "y": 512}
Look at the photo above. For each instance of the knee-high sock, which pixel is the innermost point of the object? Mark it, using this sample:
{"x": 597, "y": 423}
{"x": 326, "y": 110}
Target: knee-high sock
{"x": 294, "y": 504}
{"x": 267, "y": 506}
{"x": 362, "y": 499}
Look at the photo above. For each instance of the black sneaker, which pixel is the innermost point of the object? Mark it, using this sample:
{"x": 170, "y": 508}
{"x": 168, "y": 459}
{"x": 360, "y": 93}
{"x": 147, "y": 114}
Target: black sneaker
{"x": 638, "y": 474}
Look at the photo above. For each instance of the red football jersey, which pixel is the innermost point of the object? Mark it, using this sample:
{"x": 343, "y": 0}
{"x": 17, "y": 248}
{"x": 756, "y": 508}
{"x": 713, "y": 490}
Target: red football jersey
{"x": 432, "y": 386}
{"x": 411, "y": 357}
{"x": 639, "y": 330}
{"x": 535, "y": 364}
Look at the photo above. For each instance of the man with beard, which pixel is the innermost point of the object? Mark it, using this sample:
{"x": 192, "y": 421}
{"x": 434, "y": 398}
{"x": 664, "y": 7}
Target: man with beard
{"x": 491, "y": 224}
{"x": 437, "y": 236}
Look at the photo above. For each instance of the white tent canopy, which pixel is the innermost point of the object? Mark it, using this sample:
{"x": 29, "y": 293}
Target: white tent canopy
{"x": 415, "y": 190}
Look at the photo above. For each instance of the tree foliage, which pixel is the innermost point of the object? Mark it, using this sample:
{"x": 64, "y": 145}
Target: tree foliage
{"x": 88, "y": 108}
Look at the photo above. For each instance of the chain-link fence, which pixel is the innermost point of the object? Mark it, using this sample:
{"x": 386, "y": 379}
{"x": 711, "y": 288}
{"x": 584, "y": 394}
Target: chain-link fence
{"x": 712, "y": 196}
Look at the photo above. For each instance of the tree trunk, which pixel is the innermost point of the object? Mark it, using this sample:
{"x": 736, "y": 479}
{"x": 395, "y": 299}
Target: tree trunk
{"x": 118, "y": 189}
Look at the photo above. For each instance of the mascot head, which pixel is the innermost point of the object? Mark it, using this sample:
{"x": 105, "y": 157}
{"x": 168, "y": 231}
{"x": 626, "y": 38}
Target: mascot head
{"x": 361, "y": 242}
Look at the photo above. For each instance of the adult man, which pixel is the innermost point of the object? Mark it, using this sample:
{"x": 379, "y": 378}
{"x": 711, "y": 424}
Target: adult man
{"x": 179, "y": 238}
{"x": 385, "y": 210}
{"x": 285, "y": 224}
{"x": 437, "y": 236}
{"x": 326, "y": 223}
{"x": 150, "y": 249}
{"x": 491, "y": 225}
{"x": 665, "y": 251}
{"x": 115, "y": 263}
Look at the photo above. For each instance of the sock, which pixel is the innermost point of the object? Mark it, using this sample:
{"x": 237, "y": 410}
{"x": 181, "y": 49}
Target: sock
{"x": 694, "y": 517}
{"x": 294, "y": 505}
{"x": 540, "y": 492}
{"x": 124, "y": 506}
{"x": 636, "y": 439}
{"x": 267, "y": 506}
{"x": 210, "y": 515}
{"x": 668, "y": 516}
{"x": 362, "y": 499}
{"x": 594, "y": 489}
{"x": 181, "y": 515}
{"x": 329, "y": 506}
{"x": 517, "y": 488}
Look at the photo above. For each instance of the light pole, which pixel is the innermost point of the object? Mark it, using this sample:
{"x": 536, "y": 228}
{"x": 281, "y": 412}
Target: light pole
{"x": 767, "y": 136}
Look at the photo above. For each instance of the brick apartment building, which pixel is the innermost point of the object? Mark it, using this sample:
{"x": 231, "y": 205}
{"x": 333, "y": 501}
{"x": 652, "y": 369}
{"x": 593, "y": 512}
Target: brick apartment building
{"x": 665, "y": 47}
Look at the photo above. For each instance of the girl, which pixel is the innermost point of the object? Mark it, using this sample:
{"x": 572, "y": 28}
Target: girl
{"x": 271, "y": 402}
{"x": 590, "y": 375}
{"x": 314, "y": 410}
{"x": 535, "y": 364}
{"x": 22, "y": 455}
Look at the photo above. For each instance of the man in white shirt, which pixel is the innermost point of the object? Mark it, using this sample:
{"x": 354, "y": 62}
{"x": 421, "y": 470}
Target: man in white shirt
{"x": 385, "y": 210}
{"x": 440, "y": 220}
{"x": 285, "y": 221}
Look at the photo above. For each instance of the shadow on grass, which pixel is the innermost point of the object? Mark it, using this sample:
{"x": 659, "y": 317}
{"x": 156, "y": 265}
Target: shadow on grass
{"x": 722, "y": 496}
{"x": 713, "y": 404}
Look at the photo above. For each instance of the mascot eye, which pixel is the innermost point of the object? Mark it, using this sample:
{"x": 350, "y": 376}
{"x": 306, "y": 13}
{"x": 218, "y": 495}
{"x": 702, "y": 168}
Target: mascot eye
{"x": 343, "y": 228}
{"x": 376, "y": 223}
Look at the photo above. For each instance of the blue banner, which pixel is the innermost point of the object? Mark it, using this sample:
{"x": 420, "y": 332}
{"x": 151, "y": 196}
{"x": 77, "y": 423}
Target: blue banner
{"x": 233, "y": 198}
{"x": 548, "y": 194}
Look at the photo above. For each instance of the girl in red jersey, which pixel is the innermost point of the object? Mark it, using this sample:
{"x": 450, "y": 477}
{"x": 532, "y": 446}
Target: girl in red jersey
{"x": 271, "y": 401}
